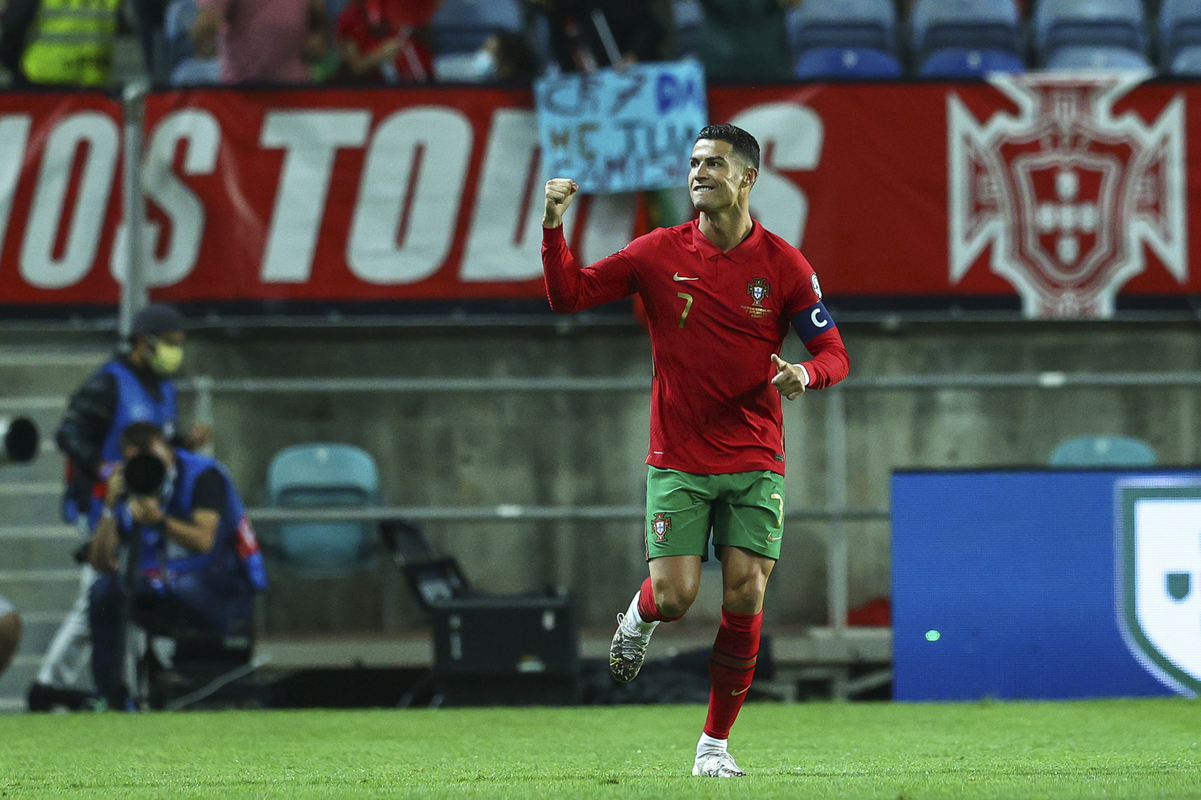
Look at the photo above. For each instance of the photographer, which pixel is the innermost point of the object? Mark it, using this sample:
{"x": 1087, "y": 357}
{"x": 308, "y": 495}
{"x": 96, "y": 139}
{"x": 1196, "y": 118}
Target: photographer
{"x": 194, "y": 563}
{"x": 134, "y": 386}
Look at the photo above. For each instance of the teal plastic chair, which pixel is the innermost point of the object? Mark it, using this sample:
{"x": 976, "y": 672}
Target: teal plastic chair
{"x": 323, "y": 475}
{"x": 1103, "y": 451}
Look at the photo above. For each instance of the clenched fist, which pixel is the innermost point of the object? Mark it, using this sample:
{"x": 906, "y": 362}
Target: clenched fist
{"x": 791, "y": 379}
{"x": 559, "y": 194}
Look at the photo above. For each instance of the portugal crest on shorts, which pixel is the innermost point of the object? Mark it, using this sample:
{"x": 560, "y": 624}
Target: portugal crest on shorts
{"x": 759, "y": 290}
{"x": 660, "y": 525}
{"x": 1158, "y": 570}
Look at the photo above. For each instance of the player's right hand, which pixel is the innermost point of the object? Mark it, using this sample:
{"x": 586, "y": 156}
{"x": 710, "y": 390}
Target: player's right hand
{"x": 559, "y": 194}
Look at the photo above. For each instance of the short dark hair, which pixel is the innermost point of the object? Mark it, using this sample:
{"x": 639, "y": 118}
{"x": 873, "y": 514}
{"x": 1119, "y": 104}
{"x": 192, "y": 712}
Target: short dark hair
{"x": 744, "y": 144}
{"x": 140, "y": 435}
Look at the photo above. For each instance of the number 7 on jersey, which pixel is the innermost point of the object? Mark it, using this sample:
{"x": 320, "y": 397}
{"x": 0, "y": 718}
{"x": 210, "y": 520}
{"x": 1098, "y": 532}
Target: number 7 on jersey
{"x": 687, "y": 298}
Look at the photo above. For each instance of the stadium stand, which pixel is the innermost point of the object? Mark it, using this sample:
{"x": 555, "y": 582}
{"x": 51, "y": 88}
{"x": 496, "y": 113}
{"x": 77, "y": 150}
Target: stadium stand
{"x": 972, "y": 24}
{"x": 1108, "y": 59}
{"x": 844, "y": 23}
{"x": 962, "y": 62}
{"x": 1179, "y": 28}
{"x": 1103, "y": 451}
{"x": 323, "y": 475}
{"x": 686, "y": 19}
{"x": 835, "y": 63}
{"x": 461, "y": 26}
{"x": 1089, "y": 23}
{"x": 1186, "y": 62}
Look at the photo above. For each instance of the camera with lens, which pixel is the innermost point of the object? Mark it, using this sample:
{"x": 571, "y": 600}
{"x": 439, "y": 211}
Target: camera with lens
{"x": 144, "y": 475}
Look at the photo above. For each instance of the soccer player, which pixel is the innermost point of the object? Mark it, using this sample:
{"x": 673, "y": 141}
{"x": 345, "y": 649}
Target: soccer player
{"x": 720, "y": 293}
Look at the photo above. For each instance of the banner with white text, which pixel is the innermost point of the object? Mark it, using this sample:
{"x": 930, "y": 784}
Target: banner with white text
{"x": 1040, "y": 195}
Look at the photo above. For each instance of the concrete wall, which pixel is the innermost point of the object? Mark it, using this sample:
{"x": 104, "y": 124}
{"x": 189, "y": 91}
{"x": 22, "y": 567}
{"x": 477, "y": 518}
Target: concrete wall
{"x": 584, "y": 449}
{"x": 455, "y": 449}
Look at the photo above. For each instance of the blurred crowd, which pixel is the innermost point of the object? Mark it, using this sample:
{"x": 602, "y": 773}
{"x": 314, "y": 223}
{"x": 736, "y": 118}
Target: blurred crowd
{"x": 328, "y": 41}
{"x": 189, "y": 42}
{"x": 257, "y": 42}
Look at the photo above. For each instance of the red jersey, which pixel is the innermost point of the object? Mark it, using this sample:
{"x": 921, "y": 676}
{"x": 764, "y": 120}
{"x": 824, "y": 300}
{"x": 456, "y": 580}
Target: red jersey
{"x": 715, "y": 320}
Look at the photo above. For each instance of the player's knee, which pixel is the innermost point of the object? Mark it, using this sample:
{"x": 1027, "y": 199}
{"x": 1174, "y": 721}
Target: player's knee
{"x": 674, "y": 598}
{"x": 745, "y": 596}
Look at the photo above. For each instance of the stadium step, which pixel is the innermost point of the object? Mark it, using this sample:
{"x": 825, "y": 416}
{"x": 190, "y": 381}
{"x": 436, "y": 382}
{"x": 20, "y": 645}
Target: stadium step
{"x": 37, "y": 573}
{"x": 30, "y": 502}
{"x": 32, "y": 590}
{"x": 37, "y": 631}
{"x": 15, "y": 682}
{"x": 33, "y": 371}
{"x": 37, "y": 547}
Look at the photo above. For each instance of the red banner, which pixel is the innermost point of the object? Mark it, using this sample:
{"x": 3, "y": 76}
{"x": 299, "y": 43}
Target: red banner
{"x": 1059, "y": 192}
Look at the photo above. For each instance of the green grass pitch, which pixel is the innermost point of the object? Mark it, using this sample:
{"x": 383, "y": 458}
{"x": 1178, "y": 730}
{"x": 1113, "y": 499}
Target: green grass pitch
{"x": 1115, "y": 749}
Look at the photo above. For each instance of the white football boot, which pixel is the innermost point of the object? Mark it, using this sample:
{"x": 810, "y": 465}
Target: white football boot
{"x": 716, "y": 765}
{"x": 628, "y": 650}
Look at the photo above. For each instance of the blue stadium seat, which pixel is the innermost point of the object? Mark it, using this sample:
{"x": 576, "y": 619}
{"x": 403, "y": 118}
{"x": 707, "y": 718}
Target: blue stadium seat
{"x": 962, "y": 62}
{"x": 461, "y": 26}
{"x": 1187, "y": 62}
{"x": 971, "y": 24}
{"x": 321, "y": 475}
{"x": 1096, "y": 23}
{"x": 843, "y": 23}
{"x": 1106, "y": 59}
{"x": 1103, "y": 451}
{"x": 834, "y": 63}
{"x": 686, "y": 18}
{"x": 1179, "y": 27}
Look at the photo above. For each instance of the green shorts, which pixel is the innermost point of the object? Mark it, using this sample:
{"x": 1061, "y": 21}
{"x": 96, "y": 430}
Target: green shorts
{"x": 743, "y": 509}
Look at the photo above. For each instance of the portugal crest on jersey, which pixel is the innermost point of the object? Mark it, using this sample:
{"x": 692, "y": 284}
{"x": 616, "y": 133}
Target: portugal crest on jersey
{"x": 759, "y": 290}
{"x": 660, "y": 525}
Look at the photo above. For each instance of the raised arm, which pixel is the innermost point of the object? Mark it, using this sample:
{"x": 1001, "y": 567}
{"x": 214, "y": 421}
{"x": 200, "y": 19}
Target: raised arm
{"x": 568, "y": 287}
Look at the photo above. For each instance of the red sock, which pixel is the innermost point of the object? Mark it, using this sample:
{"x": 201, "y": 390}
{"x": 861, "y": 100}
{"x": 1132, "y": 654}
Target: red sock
{"x": 646, "y": 605}
{"x": 731, "y": 668}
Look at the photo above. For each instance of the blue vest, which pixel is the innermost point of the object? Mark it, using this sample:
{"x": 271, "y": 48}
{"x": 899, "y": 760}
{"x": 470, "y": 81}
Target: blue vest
{"x": 135, "y": 404}
{"x": 235, "y": 547}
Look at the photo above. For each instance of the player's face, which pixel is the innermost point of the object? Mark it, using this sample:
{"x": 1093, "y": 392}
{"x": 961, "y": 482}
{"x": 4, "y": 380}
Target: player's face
{"x": 716, "y": 177}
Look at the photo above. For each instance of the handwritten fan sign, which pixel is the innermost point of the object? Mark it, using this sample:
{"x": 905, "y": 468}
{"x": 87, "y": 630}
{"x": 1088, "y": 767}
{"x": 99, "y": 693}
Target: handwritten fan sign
{"x": 622, "y": 130}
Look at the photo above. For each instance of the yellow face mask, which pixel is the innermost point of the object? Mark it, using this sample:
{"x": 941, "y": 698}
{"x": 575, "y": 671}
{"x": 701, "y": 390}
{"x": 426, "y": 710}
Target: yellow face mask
{"x": 167, "y": 358}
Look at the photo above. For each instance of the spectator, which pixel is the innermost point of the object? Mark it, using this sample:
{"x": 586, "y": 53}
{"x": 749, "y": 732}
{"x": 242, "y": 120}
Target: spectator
{"x": 184, "y": 65}
{"x": 10, "y": 632}
{"x": 259, "y": 41}
{"x": 49, "y": 42}
{"x": 132, "y": 387}
{"x": 746, "y": 40}
{"x": 504, "y": 58}
{"x": 195, "y": 562}
{"x": 386, "y": 41}
{"x": 586, "y": 34}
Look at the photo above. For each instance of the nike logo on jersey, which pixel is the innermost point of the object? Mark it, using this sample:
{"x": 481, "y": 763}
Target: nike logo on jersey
{"x": 741, "y": 691}
{"x": 679, "y": 277}
{"x": 771, "y": 538}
